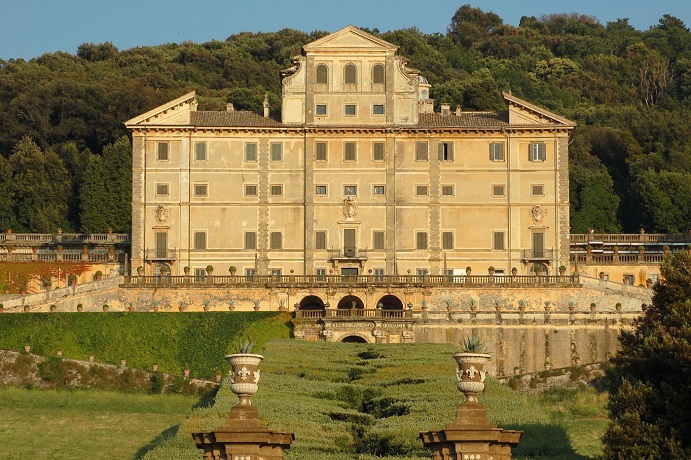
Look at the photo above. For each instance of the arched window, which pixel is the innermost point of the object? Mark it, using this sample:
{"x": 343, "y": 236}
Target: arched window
{"x": 322, "y": 74}
{"x": 350, "y": 74}
{"x": 378, "y": 76}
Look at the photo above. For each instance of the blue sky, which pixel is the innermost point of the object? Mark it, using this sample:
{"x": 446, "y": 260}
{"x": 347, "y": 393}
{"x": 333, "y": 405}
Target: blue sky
{"x": 29, "y": 28}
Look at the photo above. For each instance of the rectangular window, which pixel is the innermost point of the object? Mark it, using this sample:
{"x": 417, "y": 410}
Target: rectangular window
{"x": 276, "y": 240}
{"x": 350, "y": 190}
{"x": 421, "y": 272}
{"x": 250, "y": 240}
{"x": 378, "y": 274}
{"x": 250, "y": 190}
{"x": 201, "y": 190}
{"x": 378, "y": 190}
{"x": 447, "y": 190}
{"x": 349, "y": 151}
{"x": 321, "y": 153}
{"x": 447, "y": 240}
{"x": 200, "y": 274}
{"x": 537, "y": 151}
{"x": 421, "y": 190}
{"x": 421, "y": 240}
{"x": 496, "y": 151}
{"x": 421, "y": 151}
{"x": 320, "y": 190}
{"x": 378, "y": 151}
{"x": 162, "y": 151}
{"x": 537, "y": 190}
{"x": 200, "y": 151}
{"x": 498, "y": 190}
{"x": 276, "y": 272}
{"x": 378, "y": 240}
{"x": 276, "y": 190}
{"x": 251, "y": 151}
{"x": 250, "y": 273}
{"x": 199, "y": 240}
{"x": 320, "y": 240}
{"x": 446, "y": 151}
{"x": 321, "y": 274}
{"x": 378, "y": 109}
{"x": 320, "y": 110}
{"x": 162, "y": 190}
{"x": 349, "y": 110}
{"x": 498, "y": 241}
{"x": 276, "y": 151}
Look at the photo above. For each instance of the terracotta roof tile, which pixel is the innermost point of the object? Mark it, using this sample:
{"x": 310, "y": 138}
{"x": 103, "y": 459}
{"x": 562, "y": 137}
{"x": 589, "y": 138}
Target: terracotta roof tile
{"x": 238, "y": 118}
{"x": 465, "y": 120}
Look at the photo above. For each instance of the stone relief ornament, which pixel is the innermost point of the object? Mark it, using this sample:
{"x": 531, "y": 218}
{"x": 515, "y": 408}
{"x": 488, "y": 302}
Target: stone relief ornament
{"x": 161, "y": 213}
{"x": 349, "y": 207}
{"x": 538, "y": 213}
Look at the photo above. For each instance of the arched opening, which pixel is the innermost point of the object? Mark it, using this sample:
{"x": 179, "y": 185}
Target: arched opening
{"x": 390, "y": 302}
{"x": 322, "y": 74}
{"x": 378, "y": 75}
{"x": 311, "y": 302}
{"x": 351, "y": 302}
{"x": 350, "y": 74}
{"x": 353, "y": 339}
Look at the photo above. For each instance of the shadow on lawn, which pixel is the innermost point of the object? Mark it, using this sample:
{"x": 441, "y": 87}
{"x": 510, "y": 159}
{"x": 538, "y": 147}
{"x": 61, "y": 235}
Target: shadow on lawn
{"x": 542, "y": 442}
{"x": 207, "y": 400}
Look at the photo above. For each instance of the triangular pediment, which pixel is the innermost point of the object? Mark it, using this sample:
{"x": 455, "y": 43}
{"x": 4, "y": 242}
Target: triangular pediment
{"x": 175, "y": 112}
{"x": 349, "y": 37}
{"x": 524, "y": 113}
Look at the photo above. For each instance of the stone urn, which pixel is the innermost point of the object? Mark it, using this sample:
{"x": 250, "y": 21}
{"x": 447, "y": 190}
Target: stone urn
{"x": 471, "y": 374}
{"x": 244, "y": 375}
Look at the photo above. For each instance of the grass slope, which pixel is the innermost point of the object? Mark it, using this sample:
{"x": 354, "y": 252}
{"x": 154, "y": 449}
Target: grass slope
{"x": 349, "y": 401}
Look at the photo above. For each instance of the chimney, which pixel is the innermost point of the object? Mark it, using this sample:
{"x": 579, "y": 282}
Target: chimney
{"x": 458, "y": 110}
{"x": 266, "y": 105}
{"x": 446, "y": 109}
{"x": 230, "y": 107}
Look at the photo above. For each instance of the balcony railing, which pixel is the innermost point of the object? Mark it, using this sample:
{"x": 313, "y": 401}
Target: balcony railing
{"x": 630, "y": 238}
{"x": 354, "y": 313}
{"x": 161, "y": 254}
{"x": 328, "y": 281}
{"x": 66, "y": 256}
{"x": 538, "y": 254}
{"x": 348, "y": 253}
{"x": 616, "y": 259}
{"x": 38, "y": 239}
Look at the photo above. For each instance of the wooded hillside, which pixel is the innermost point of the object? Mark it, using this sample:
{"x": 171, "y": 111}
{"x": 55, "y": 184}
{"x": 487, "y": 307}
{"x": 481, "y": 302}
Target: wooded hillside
{"x": 65, "y": 163}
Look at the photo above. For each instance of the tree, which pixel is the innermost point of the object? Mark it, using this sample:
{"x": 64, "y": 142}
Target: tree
{"x": 650, "y": 381}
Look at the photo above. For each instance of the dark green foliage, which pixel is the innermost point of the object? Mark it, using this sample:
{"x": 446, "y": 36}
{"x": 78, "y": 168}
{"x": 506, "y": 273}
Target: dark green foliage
{"x": 193, "y": 341}
{"x": 650, "y": 380}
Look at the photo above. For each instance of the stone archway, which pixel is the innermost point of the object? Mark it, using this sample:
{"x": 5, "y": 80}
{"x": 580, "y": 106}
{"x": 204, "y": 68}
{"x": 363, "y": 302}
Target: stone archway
{"x": 350, "y": 302}
{"x": 311, "y": 302}
{"x": 352, "y": 338}
{"x": 390, "y": 302}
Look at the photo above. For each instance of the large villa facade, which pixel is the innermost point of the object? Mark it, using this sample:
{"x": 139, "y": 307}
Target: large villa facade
{"x": 360, "y": 177}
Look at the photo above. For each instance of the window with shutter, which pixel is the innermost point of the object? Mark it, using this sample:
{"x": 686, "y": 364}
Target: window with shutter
{"x": 200, "y": 151}
{"x": 446, "y": 151}
{"x": 250, "y": 240}
{"x": 199, "y": 240}
{"x": 447, "y": 240}
{"x": 498, "y": 243}
{"x": 378, "y": 74}
{"x": 322, "y": 74}
{"x": 378, "y": 240}
{"x": 162, "y": 151}
{"x": 321, "y": 153}
{"x": 320, "y": 240}
{"x": 537, "y": 151}
{"x": 350, "y": 74}
{"x": 378, "y": 151}
{"x": 350, "y": 151}
{"x": 276, "y": 240}
{"x": 496, "y": 151}
{"x": 421, "y": 151}
{"x": 276, "y": 152}
{"x": 251, "y": 151}
{"x": 421, "y": 240}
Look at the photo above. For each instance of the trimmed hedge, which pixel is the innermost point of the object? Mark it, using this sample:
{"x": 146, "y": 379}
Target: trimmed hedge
{"x": 195, "y": 341}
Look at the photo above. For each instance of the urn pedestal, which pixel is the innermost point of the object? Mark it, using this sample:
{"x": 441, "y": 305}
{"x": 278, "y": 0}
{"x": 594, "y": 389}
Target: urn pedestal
{"x": 471, "y": 435}
{"x": 243, "y": 436}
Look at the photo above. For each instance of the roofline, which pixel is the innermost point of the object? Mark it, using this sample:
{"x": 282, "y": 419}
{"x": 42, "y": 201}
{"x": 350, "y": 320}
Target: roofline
{"x": 350, "y": 28}
{"x": 161, "y": 108}
{"x": 540, "y": 110}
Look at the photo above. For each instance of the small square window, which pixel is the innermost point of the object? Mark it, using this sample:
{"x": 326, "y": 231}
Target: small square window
{"x": 447, "y": 240}
{"x": 498, "y": 241}
{"x": 321, "y": 153}
{"x": 378, "y": 151}
{"x": 447, "y": 190}
{"x": 349, "y": 151}
{"x": 350, "y": 190}
{"x": 251, "y": 152}
{"x": 200, "y": 273}
{"x": 378, "y": 109}
{"x": 199, "y": 240}
{"x": 162, "y": 190}
{"x": 537, "y": 151}
{"x": 496, "y": 151}
{"x": 320, "y": 240}
{"x": 498, "y": 190}
{"x": 276, "y": 190}
{"x": 200, "y": 151}
{"x": 537, "y": 190}
{"x": 349, "y": 110}
{"x": 421, "y": 151}
{"x": 320, "y": 190}
{"x": 162, "y": 151}
{"x": 250, "y": 190}
{"x": 320, "y": 110}
{"x": 378, "y": 240}
{"x": 378, "y": 190}
{"x": 321, "y": 274}
{"x": 201, "y": 190}
{"x": 276, "y": 240}
{"x": 250, "y": 240}
{"x": 421, "y": 190}
{"x": 378, "y": 274}
{"x": 276, "y": 272}
{"x": 421, "y": 240}
{"x": 446, "y": 151}
{"x": 276, "y": 152}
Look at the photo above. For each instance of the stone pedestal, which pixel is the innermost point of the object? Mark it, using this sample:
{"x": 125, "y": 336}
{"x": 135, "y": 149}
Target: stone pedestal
{"x": 471, "y": 436}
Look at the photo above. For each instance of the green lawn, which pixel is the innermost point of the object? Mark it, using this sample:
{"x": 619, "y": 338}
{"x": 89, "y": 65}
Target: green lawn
{"x": 86, "y": 424}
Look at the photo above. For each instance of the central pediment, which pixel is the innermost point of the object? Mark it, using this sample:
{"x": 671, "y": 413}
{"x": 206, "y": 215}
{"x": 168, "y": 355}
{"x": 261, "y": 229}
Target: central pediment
{"x": 349, "y": 37}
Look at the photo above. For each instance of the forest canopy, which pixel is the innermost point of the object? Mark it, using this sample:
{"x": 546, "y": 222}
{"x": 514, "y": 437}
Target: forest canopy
{"x": 628, "y": 90}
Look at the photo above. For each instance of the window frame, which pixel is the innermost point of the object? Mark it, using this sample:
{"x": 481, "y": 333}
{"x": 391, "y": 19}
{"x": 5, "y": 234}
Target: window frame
{"x": 256, "y": 190}
{"x": 198, "y": 144}
{"x": 317, "y": 189}
{"x": 418, "y": 241}
{"x": 318, "y": 154}
{"x": 418, "y": 152}
{"x": 448, "y": 186}
{"x": 317, "y": 75}
{"x": 247, "y": 152}
{"x": 195, "y": 189}
{"x": 165, "y": 152}
{"x": 349, "y": 149}
{"x": 494, "y": 190}
{"x": 494, "y": 154}
{"x": 320, "y": 234}
{"x": 279, "y": 150}
{"x": 278, "y": 187}
{"x": 422, "y": 187}
{"x": 534, "y": 186}
{"x": 346, "y": 108}
{"x": 446, "y": 151}
{"x": 162, "y": 184}
{"x": 375, "y": 108}
{"x": 378, "y": 236}
{"x": 253, "y": 246}
{"x": 537, "y": 151}
{"x": 451, "y": 243}
{"x": 495, "y": 234}
{"x": 203, "y": 233}
{"x": 375, "y": 76}
{"x": 347, "y": 77}
{"x": 376, "y": 145}
{"x": 272, "y": 241}
{"x": 353, "y": 187}
{"x": 376, "y": 188}
{"x": 317, "y": 108}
